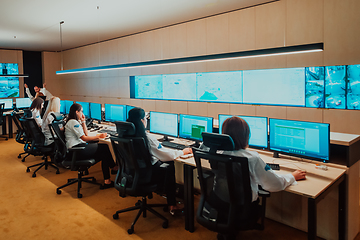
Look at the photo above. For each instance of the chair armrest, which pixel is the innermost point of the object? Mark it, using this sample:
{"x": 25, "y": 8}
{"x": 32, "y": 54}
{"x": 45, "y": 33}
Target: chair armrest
{"x": 76, "y": 149}
{"x": 93, "y": 141}
{"x": 263, "y": 193}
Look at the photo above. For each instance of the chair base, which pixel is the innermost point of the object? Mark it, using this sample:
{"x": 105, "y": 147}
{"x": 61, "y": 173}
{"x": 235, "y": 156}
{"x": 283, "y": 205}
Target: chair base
{"x": 6, "y": 137}
{"x": 143, "y": 207}
{"x": 45, "y": 164}
{"x": 78, "y": 180}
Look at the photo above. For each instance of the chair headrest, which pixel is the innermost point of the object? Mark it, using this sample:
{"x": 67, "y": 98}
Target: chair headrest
{"x": 217, "y": 141}
{"x": 27, "y": 113}
{"x": 57, "y": 116}
{"x": 125, "y": 128}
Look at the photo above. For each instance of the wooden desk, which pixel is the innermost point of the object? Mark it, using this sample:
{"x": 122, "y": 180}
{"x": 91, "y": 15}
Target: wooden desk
{"x": 9, "y": 122}
{"x": 317, "y": 185}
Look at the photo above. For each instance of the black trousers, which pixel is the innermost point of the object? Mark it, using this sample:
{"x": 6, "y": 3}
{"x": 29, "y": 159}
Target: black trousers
{"x": 165, "y": 178}
{"x": 99, "y": 152}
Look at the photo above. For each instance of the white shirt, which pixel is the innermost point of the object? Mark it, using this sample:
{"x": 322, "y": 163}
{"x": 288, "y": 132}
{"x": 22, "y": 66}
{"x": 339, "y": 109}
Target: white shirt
{"x": 42, "y": 90}
{"x": 73, "y": 133}
{"x": 46, "y": 130}
{"x": 158, "y": 152}
{"x": 260, "y": 174}
{"x": 36, "y": 115}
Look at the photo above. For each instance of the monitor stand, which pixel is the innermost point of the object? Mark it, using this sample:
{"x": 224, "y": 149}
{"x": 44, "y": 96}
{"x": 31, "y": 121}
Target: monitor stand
{"x": 165, "y": 139}
{"x": 196, "y": 144}
{"x": 276, "y": 155}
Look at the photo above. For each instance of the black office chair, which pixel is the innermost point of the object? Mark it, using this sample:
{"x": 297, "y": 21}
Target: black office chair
{"x": 70, "y": 159}
{"x": 20, "y": 133}
{"x": 37, "y": 147}
{"x": 226, "y": 203}
{"x": 2, "y": 118}
{"x": 135, "y": 172}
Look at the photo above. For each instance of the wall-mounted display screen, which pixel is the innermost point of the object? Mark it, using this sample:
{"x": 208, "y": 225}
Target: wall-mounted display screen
{"x": 9, "y": 86}
{"x": 317, "y": 87}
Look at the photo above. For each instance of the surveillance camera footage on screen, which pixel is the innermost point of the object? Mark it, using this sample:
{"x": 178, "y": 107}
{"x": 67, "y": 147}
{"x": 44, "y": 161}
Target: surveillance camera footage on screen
{"x": 9, "y": 86}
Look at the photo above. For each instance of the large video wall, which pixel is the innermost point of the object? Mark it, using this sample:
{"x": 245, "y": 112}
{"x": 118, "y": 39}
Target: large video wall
{"x": 9, "y": 86}
{"x": 318, "y": 87}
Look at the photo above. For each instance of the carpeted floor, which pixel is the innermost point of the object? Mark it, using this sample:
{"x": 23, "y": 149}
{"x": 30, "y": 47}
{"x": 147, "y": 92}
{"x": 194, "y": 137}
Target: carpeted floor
{"x": 31, "y": 209}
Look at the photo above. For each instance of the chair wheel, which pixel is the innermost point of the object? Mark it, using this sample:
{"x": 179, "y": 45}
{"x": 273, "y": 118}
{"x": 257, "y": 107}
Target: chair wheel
{"x": 34, "y": 175}
{"x": 23, "y": 160}
{"x": 58, "y": 191}
{"x": 116, "y": 216}
{"x": 57, "y": 171}
{"x": 131, "y": 230}
{"x": 6, "y": 139}
{"x": 165, "y": 224}
{"x": 79, "y": 195}
{"x": 28, "y": 170}
{"x": 138, "y": 203}
{"x": 94, "y": 180}
{"x": 19, "y": 156}
{"x": 69, "y": 180}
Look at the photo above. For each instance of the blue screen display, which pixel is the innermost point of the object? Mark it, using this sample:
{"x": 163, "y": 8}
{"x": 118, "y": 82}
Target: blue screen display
{"x": 114, "y": 112}
{"x": 353, "y": 88}
{"x": 164, "y": 123}
{"x": 8, "y": 103}
{"x": 23, "y": 102}
{"x": 258, "y": 129}
{"x": 315, "y": 87}
{"x": 95, "y": 111}
{"x": 335, "y": 87}
{"x": 62, "y": 107}
{"x": 128, "y": 108}
{"x": 67, "y": 104}
{"x": 9, "y": 86}
{"x": 86, "y": 108}
{"x": 191, "y": 126}
{"x": 308, "y": 139}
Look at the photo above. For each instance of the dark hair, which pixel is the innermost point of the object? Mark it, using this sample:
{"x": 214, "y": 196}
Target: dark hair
{"x": 72, "y": 113}
{"x": 36, "y": 103}
{"x": 135, "y": 116}
{"x": 238, "y": 129}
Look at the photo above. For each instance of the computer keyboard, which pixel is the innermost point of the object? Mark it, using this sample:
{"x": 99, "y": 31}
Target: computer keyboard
{"x": 173, "y": 145}
{"x": 108, "y": 131}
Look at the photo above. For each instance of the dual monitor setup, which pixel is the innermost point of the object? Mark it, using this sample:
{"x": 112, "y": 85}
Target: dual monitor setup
{"x": 20, "y": 103}
{"x": 297, "y": 138}
{"x": 113, "y": 112}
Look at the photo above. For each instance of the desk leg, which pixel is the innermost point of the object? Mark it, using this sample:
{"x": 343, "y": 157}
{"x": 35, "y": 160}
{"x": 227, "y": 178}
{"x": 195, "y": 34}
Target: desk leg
{"x": 4, "y": 126}
{"x": 10, "y": 126}
{"x": 342, "y": 210}
{"x": 311, "y": 219}
{"x": 189, "y": 197}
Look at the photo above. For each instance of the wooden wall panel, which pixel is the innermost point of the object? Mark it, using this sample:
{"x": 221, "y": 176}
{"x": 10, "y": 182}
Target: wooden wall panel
{"x": 123, "y": 49}
{"x": 341, "y": 35}
{"x": 214, "y": 109}
{"x": 177, "y": 41}
{"x": 271, "y": 111}
{"x": 196, "y": 38}
{"x": 270, "y": 25}
{"x": 162, "y": 106}
{"x": 242, "y": 109}
{"x": 147, "y": 43}
{"x": 242, "y": 30}
{"x": 344, "y": 121}
{"x": 217, "y": 34}
{"x": 271, "y": 62}
{"x": 134, "y": 48}
{"x": 149, "y": 105}
{"x": 304, "y": 114}
{"x": 304, "y": 22}
{"x": 179, "y": 107}
{"x": 198, "y": 108}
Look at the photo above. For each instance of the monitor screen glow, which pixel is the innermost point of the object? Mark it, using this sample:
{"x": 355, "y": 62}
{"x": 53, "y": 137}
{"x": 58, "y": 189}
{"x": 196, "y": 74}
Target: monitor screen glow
{"x": 8, "y": 103}
{"x": 192, "y": 126}
{"x": 67, "y": 104}
{"x": 86, "y": 108}
{"x": 258, "y": 129}
{"x": 23, "y": 102}
{"x": 114, "y": 112}
{"x": 95, "y": 111}
{"x": 308, "y": 139}
{"x": 164, "y": 123}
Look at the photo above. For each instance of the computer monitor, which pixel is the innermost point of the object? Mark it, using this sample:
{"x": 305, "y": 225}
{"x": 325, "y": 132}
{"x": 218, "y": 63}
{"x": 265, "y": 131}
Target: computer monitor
{"x": 8, "y": 103}
{"x": 114, "y": 112}
{"x": 306, "y": 139}
{"x": 67, "y": 104}
{"x": 86, "y": 108}
{"x": 62, "y": 107}
{"x": 192, "y": 126}
{"x": 258, "y": 129}
{"x": 95, "y": 111}
{"x": 128, "y": 108}
{"x": 164, "y": 123}
{"x": 22, "y": 103}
